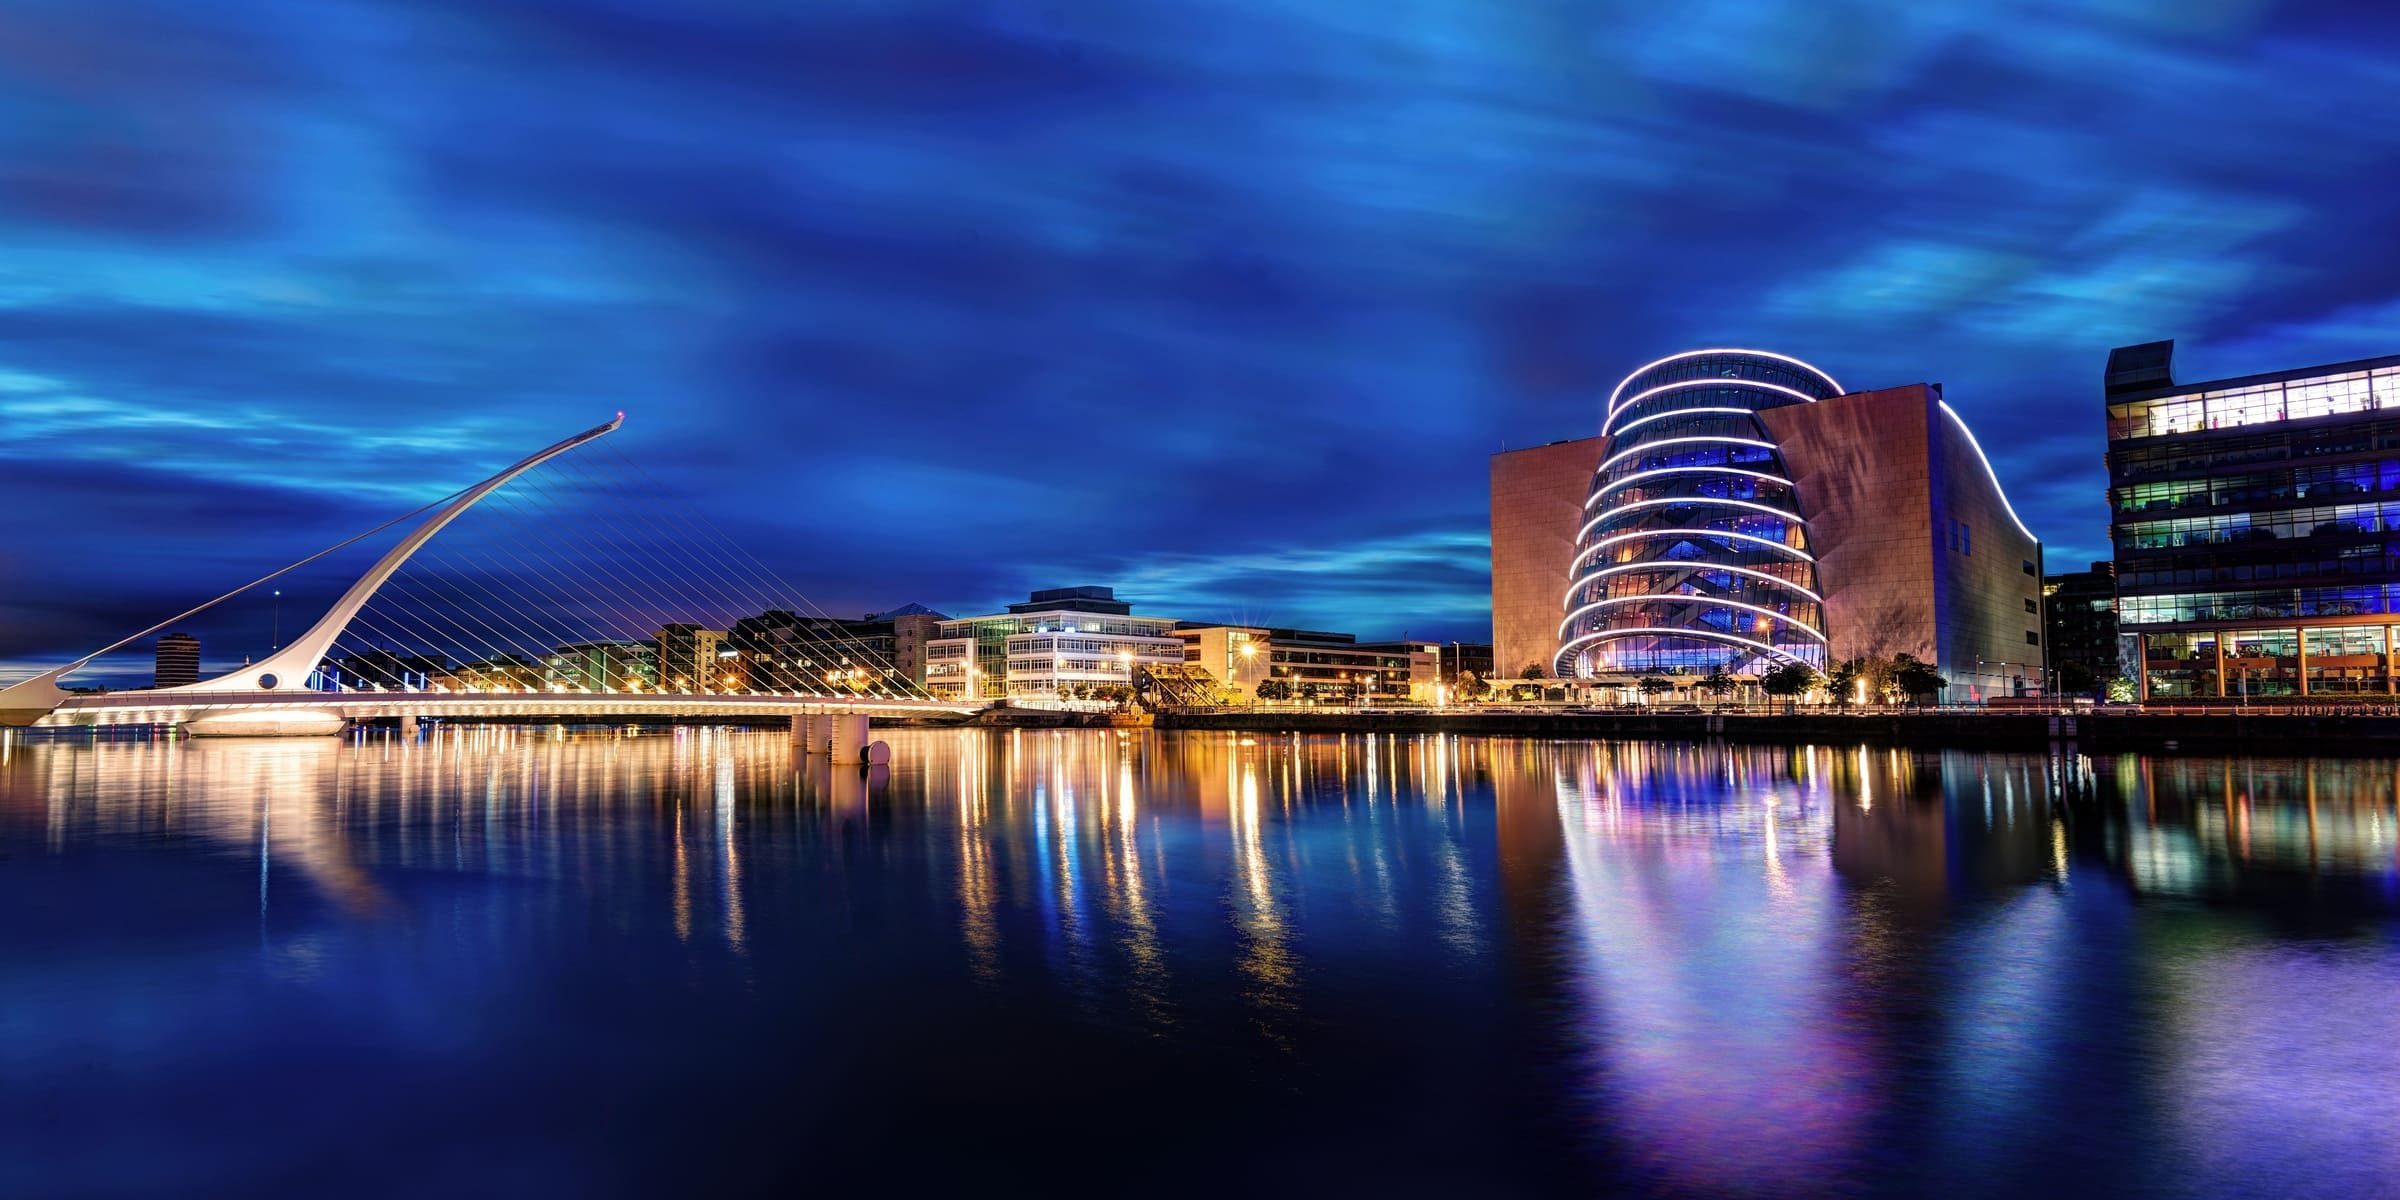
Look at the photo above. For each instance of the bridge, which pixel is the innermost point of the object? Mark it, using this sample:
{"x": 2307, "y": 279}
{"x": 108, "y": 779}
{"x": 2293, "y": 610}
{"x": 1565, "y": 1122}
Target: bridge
{"x": 500, "y": 612}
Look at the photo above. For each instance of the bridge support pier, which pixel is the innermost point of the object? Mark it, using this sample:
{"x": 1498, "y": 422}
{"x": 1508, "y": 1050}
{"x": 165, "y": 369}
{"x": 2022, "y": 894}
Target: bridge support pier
{"x": 849, "y": 739}
{"x": 408, "y": 726}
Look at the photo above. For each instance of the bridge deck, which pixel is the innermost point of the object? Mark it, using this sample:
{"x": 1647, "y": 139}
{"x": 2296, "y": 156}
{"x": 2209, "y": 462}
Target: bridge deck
{"x": 175, "y": 708}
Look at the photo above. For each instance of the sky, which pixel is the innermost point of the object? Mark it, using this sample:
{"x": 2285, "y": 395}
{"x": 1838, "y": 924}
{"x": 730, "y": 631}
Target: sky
{"x": 1223, "y": 304}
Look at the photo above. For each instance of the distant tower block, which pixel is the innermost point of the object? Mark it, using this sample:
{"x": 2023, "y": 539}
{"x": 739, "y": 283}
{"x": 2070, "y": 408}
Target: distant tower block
{"x": 178, "y": 661}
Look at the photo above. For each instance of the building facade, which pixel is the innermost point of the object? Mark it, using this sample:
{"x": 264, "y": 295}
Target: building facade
{"x": 1058, "y": 638}
{"x": 178, "y": 662}
{"x": 2079, "y": 627}
{"x": 1741, "y": 510}
{"x": 687, "y": 656}
{"x": 1462, "y": 659}
{"x": 1314, "y": 664}
{"x": 1537, "y": 503}
{"x": 602, "y": 666}
{"x": 2251, "y": 518}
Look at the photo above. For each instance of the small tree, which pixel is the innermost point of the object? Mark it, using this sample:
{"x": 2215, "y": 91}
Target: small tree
{"x": 1717, "y": 683}
{"x": 2120, "y": 690}
{"x": 1789, "y": 680}
{"x": 1533, "y": 670}
{"x": 1272, "y": 689}
{"x": 1842, "y": 681}
{"x": 1916, "y": 680}
{"x": 1653, "y": 685}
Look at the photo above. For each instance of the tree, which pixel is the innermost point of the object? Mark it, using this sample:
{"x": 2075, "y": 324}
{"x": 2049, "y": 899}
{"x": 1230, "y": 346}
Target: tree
{"x": 2120, "y": 690}
{"x": 1843, "y": 680}
{"x": 1474, "y": 687}
{"x": 1789, "y": 680}
{"x": 1916, "y": 680}
{"x": 1717, "y": 683}
{"x": 1533, "y": 670}
{"x": 1653, "y": 685}
{"x": 1272, "y": 689}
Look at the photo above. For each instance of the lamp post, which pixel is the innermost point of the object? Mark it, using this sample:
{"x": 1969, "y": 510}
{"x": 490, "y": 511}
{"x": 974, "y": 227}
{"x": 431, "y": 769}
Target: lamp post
{"x": 275, "y": 623}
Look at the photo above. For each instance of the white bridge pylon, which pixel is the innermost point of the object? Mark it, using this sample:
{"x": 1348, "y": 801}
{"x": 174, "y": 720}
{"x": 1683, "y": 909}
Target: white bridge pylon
{"x": 270, "y": 695}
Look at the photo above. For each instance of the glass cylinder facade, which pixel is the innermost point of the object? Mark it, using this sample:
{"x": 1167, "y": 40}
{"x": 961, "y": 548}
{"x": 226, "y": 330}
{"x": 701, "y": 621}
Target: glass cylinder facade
{"x": 1693, "y": 553}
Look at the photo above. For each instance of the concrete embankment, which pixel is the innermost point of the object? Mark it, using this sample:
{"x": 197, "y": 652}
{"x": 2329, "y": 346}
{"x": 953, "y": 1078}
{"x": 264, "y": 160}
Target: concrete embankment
{"x": 2187, "y": 733}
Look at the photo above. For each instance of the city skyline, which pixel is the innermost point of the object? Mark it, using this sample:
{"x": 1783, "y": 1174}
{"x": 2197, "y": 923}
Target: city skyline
{"x": 1098, "y": 298}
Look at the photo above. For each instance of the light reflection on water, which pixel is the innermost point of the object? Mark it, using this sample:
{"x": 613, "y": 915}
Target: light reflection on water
{"x": 586, "y": 961}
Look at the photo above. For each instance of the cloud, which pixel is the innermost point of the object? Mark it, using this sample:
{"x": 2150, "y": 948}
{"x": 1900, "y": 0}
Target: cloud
{"x": 938, "y": 302}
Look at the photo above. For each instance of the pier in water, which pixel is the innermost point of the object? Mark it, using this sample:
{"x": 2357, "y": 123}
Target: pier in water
{"x": 520, "y": 960}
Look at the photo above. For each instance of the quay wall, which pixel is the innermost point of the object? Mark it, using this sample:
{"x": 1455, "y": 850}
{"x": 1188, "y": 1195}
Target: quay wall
{"x": 2187, "y": 733}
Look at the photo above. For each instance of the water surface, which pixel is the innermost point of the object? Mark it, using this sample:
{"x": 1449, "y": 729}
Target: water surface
{"x": 535, "y": 961}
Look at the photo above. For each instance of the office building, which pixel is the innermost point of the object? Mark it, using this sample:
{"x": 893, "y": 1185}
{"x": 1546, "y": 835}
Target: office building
{"x": 2079, "y": 627}
{"x": 1741, "y": 509}
{"x": 687, "y": 656}
{"x": 602, "y": 666}
{"x": 782, "y": 651}
{"x": 178, "y": 662}
{"x": 1315, "y": 664}
{"x": 1461, "y": 659}
{"x": 2250, "y": 518}
{"x": 1058, "y": 638}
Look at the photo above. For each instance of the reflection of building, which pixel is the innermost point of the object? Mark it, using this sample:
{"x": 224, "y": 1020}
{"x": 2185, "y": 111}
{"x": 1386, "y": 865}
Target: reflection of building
{"x": 2250, "y": 518}
{"x": 178, "y": 661}
{"x": 1331, "y": 665}
{"x": 1079, "y": 636}
{"x": 601, "y": 666}
{"x": 2079, "y": 621}
{"x": 1741, "y": 510}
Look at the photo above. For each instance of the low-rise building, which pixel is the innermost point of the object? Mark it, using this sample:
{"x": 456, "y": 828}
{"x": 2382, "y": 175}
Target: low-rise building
{"x": 2079, "y": 621}
{"x": 1057, "y": 638}
{"x": 600, "y": 666}
{"x": 1314, "y": 664}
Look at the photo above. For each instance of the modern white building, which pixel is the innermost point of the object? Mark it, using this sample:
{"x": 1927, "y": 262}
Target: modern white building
{"x": 1059, "y": 637}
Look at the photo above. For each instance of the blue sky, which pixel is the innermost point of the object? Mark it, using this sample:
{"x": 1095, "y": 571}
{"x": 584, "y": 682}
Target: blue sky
{"x": 1225, "y": 304}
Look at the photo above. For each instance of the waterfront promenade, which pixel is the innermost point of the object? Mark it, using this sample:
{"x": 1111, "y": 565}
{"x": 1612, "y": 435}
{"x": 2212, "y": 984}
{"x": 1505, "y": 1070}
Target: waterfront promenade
{"x": 2318, "y": 729}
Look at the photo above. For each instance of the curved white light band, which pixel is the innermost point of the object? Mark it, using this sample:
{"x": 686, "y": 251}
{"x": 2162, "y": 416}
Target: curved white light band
{"x": 1689, "y": 597}
{"x": 1693, "y": 384}
{"x": 1613, "y": 539}
{"x": 1676, "y": 412}
{"x": 1705, "y": 635}
{"x": 1674, "y": 564}
{"x": 1654, "y": 472}
{"x": 1993, "y": 475}
{"x": 1647, "y": 447}
{"x": 1656, "y": 363}
{"x": 1664, "y": 501}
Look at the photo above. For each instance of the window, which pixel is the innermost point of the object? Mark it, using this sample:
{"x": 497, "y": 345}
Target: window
{"x": 2029, "y": 568}
{"x": 2032, "y": 638}
{"x": 2031, "y": 607}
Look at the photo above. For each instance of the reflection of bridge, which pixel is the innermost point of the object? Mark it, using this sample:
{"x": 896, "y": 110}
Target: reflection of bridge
{"x": 285, "y": 692}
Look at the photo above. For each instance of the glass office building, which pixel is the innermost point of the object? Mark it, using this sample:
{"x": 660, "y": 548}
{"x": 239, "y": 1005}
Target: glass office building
{"x": 2256, "y": 524}
{"x": 1694, "y": 554}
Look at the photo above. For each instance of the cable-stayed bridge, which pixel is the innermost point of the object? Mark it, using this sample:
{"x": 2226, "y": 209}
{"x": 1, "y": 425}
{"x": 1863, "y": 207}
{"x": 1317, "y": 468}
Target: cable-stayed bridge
{"x": 548, "y": 604}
